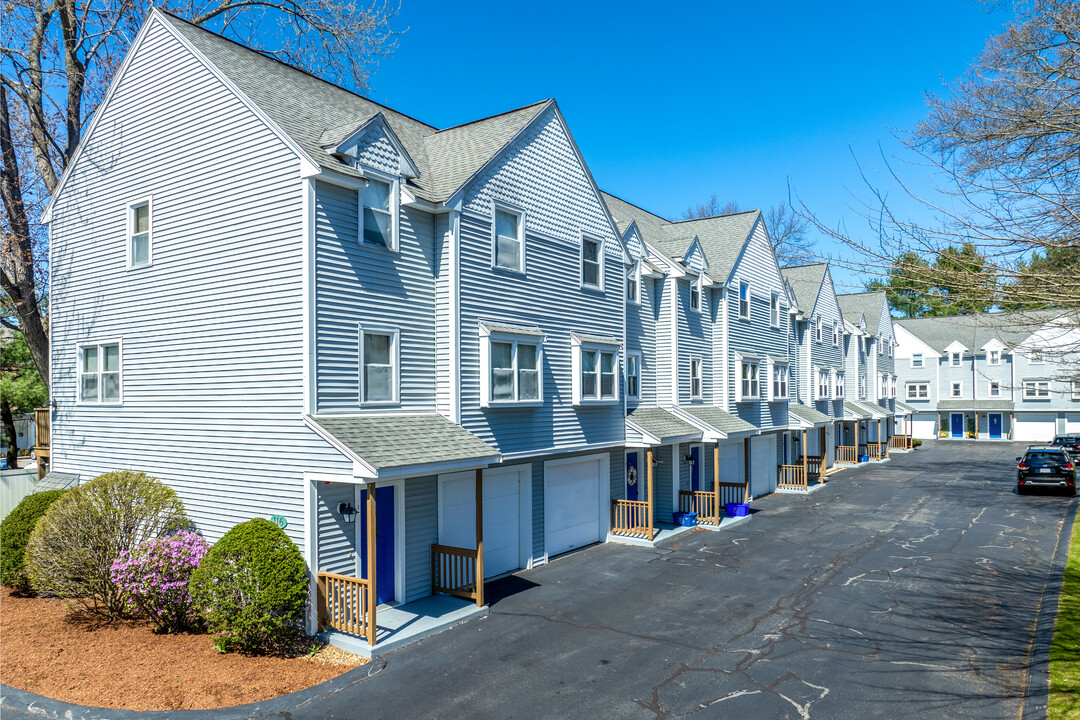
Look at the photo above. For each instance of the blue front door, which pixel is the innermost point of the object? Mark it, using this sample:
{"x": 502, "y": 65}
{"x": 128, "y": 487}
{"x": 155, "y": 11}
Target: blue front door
{"x": 384, "y": 541}
{"x": 957, "y": 425}
{"x": 995, "y": 425}
{"x": 632, "y": 476}
{"x": 695, "y": 468}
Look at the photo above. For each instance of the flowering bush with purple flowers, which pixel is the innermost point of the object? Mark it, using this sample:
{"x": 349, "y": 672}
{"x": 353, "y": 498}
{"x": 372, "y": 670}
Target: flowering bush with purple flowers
{"x": 154, "y": 578}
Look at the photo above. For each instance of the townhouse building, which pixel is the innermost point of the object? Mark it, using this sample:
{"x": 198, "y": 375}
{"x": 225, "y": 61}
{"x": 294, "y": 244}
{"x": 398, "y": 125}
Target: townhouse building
{"x": 992, "y": 376}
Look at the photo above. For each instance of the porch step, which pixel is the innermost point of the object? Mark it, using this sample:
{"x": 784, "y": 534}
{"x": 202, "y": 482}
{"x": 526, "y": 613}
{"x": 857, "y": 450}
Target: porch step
{"x": 405, "y": 624}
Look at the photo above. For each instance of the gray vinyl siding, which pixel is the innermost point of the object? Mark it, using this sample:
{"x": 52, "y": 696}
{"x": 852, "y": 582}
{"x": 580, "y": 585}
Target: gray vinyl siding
{"x": 540, "y": 174}
{"x": 695, "y": 339}
{"x": 825, "y": 354}
{"x": 662, "y": 481}
{"x": 212, "y": 331}
{"x": 336, "y": 538}
{"x": 421, "y": 532}
{"x": 961, "y": 374}
{"x": 362, "y": 284}
{"x": 984, "y": 373}
{"x": 757, "y": 266}
{"x": 664, "y": 347}
{"x": 1060, "y": 389}
{"x": 443, "y": 324}
{"x": 641, "y": 321}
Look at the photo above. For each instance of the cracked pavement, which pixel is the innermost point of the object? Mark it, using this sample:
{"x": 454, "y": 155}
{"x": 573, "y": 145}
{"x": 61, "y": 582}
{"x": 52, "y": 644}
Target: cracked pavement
{"x": 903, "y": 590}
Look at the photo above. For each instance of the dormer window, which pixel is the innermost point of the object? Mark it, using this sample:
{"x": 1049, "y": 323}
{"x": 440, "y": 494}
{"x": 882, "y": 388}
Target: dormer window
{"x": 954, "y": 359}
{"x": 993, "y": 357}
{"x": 508, "y": 244}
{"x": 379, "y": 209}
{"x": 1035, "y": 357}
{"x": 695, "y": 294}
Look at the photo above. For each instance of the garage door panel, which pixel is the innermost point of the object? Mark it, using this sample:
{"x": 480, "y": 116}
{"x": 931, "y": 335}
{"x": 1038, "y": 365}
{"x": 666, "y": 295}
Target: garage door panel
{"x": 502, "y": 517}
{"x": 571, "y": 505}
{"x": 1035, "y": 428}
{"x": 763, "y": 465}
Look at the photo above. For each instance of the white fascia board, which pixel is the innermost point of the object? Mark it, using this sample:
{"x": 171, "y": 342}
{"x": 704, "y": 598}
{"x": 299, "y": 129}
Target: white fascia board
{"x": 956, "y": 346}
{"x": 663, "y": 262}
{"x": 708, "y": 432}
{"x": 360, "y": 467}
{"x": 433, "y": 468}
{"x": 647, "y": 437}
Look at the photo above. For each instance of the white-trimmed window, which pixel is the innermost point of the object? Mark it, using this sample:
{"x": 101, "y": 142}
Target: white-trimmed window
{"x": 836, "y": 334}
{"x": 994, "y": 390}
{"x": 892, "y": 386}
{"x": 891, "y": 350}
{"x": 379, "y": 211}
{"x": 378, "y": 366}
{"x": 780, "y": 377}
{"x": 1036, "y": 389}
{"x": 99, "y": 373}
{"x": 508, "y": 240}
{"x": 633, "y": 375}
{"x": 744, "y": 301}
{"x": 515, "y": 371}
{"x": 592, "y": 262}
{"x": 880, "y": 349}
{"x": 1076, "y": 389}
{"x": 822, "y": 384}
{"x": 774, "y": 310}
{"x": 916, "y": 360}
{"x": 748, "y": 380}
{"x": 954, "y": 359}
{"x": 1036, "y": 357}
{"x": 595, "y": 373}
{"x": 695, "y": 378}
{"x": 140, "y": 233}
{"x": 695, "y": 294}
{"x": 818, "y": 331}
{"x": 918, "y": 391}
{"x": 839, "y": 385}
{"x": 957, "y": 389}
{"x": 993, "y": 357}
{"x": 862, "y": 387}
{"x": 633, "y": 283}
{"x": 883, "y": 386}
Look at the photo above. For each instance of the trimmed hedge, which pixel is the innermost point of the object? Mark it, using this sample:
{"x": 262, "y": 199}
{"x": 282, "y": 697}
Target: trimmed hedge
{"x": 252, "y": 588}
{"x": 915, "y": 442}
{"x": 15, "y": 533}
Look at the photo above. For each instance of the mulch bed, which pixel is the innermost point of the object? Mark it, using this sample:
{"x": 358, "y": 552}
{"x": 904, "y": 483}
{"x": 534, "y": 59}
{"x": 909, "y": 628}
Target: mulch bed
{"x": 50, "y": 650}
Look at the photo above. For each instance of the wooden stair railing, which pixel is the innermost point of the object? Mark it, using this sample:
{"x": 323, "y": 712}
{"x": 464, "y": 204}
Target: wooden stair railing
{"x": 703, "y": 503}
{"x": 453, "y": 572}
{"x": 791, "y": 477}
{"x": 343, "y": 603}
{"x": 631, "y": 517}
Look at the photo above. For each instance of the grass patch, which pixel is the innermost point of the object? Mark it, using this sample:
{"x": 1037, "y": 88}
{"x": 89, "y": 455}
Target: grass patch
{"x": 1064, "y": 700}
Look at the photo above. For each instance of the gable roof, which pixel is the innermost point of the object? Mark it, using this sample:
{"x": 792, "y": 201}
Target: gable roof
{"x": 805, "y": 282}
{"x": 721, "y": 238}
{"x": 661, "y": 424}
{"x": 868, "y": 304}
{"x": 974, "y": 331}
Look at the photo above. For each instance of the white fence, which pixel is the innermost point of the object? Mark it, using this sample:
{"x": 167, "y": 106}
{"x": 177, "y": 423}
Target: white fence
{"x": 14, "y": 486}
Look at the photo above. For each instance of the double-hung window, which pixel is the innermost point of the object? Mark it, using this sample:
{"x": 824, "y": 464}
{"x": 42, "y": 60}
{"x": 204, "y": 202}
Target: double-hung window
{"x": 515, "y": 371}
{"x": 508, "y": 243}
{"x": 379, "y": 216}
{"x": 744, "y": 301}
{"x": 1036, "y": 357}
{"x": 378, "y": 366}
{"x": 993, "y": 357}
{"x": 1076, "y": 389}
{"x": 916, "y": 360}
{"x": 1036, "y": 389}
{"x": 836, "y": 334}
{"x": 883, "y": 387}
{"x": 918, "y": 391}
{"x": 99, "y": 373}
{"x": 633, "y": 283}
{"x": 633, "y": 375}
{"x": 957, "y": 389}
{"x": 954, "y": 359}
{"x": 995, "y": 389}
{"x": 880, "y": 347}
{"x": 591, "y": 262}
{"x": 779, "y": 381}
{"x": 822, "y": 384}
{"x": 139, "y": 233}
{"x": 839, "y": 385}
{"x": 774, "y": 310}
{"x": 818, "y": 334}
{"x": 862, "y": 387}
{"x": 695, "y": 378}
{"x": 748, "y": 380}
{"x": 595, "y": 370}
{"x": 695, "y": 294}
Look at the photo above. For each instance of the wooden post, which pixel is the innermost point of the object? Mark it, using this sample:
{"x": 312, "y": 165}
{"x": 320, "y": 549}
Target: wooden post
{"x": 479, "y": 537}
{"x": 320, "y": 595}
{"x": 746, "y": 470}
{"x": 804, "y": 465}
{"x": 821, "y": 444}
{"x": 716, "y": 480}
{"x": 856, "y": 441}
{"x": 370, "y": 540}
{"x": 649, "y": 487}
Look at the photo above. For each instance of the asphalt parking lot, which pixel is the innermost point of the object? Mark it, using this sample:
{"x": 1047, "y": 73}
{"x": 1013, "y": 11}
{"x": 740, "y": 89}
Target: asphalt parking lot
{"x": 920, "y": 588}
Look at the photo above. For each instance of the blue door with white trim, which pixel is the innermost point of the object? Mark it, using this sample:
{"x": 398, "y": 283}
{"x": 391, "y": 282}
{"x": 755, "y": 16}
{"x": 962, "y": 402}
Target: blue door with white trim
{"x": 695, "y": 468}
{"x": 995, "y": 425}
{"x": 384, "y": 541}
{"x": 957, "y": 425}
{"x": 632, "y": 476}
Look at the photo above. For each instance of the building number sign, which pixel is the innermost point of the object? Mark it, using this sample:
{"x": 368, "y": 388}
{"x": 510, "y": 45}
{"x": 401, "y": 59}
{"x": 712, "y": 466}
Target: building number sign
{"x": 280, "y": 521}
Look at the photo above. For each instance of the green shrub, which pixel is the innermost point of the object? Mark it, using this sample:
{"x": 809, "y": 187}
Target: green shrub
{"x": 15, "y": 534}
{"x": 72, "y": 549}
{"x": 252, "y": 588}
{"x": 916, "y": 442}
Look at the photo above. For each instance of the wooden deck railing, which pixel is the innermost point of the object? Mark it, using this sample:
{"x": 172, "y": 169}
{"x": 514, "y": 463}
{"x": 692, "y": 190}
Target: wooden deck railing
{"x": 453, "y": 571}
{"x": 814, "y": 468}
{"x": 343, "y": 603}
{"x": 900, "y": 442}
{"x": 733, "y": 493}
{"x": 631, "y": 517}
{"x": 42, "y": 439}
{"x": 875, "y": 450}
{"x": 791, "y": 477}
{"x": 846, "y": 454}
{"x": 701, "y": 502}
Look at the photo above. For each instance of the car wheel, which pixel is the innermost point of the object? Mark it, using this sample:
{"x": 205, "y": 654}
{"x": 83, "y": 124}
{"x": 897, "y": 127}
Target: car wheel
{"x": 1019, "y": 489}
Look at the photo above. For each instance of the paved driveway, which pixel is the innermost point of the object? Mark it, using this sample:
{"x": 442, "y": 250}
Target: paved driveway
{"x": 904, "y": 590}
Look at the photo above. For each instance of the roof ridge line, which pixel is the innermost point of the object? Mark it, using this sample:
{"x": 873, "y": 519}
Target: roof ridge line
{"x": 492, "y": 117}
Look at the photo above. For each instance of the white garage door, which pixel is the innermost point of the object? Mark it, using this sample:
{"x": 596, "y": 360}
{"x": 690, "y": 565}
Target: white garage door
{"x": 762, "y": 465}
{"x": 1033, "y": 427}
{"x": 572, "y": 503}
{"x": 503, "y": 516}
{"x": 731, "y": 466}
{"x": 1072, "y": 423}
{"x": 924, "y": 426}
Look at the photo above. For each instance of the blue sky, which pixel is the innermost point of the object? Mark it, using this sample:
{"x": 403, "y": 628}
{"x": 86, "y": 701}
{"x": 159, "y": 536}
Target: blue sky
{"x": 673, "y": 102}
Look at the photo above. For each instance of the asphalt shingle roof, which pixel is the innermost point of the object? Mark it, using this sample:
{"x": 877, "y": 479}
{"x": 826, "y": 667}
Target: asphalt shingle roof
{"x": 805, "y": 281}
{"x": 975, "y": 405}
{"x": 856, "y": 410}
{"x": 905, "y": 408}
{"x": 721, "y": 238}
{"x": 660, "y": 423}
{"x": 808, "y": 413}
{"x": 974, "y": 331}
{"x": 56, "y": 481}
{"x": 867, "y": 303}
{"x": 723, "y": 421}
{"x": 393, "y": 441}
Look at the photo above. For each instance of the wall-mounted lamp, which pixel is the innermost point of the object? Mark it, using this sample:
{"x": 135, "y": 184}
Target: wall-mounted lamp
{"x": 347, "y": 511}
{"x": 689, "y": 459}
{"x": 53, "y": 404}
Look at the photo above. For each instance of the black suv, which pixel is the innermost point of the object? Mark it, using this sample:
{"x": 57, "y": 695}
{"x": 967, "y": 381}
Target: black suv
{"x": 1071, "y": 443}
{"x": 1046, "y": 466}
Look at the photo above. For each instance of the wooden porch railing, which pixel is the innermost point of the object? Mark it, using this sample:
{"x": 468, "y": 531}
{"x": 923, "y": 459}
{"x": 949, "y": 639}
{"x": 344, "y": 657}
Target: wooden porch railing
{"x": 875, "y": 450}
{"x": 734, "y": 493}
{"x": 846, "y": 454}
{"x": 701, "y": 502}
{"x": 43, "y": 439}
{"x": 791, "y": 477}
{"x": 900, "y": 442}
{"x": 343, "y": 603}
{"x": 631, "y": 517}
{"x": 814, "y": 468}
{"x": 453, "y": 572}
